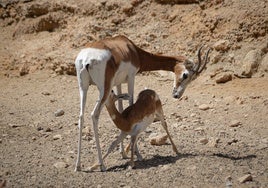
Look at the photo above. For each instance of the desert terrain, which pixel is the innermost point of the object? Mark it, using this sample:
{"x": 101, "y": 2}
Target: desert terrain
{"x": 219, "y": 125}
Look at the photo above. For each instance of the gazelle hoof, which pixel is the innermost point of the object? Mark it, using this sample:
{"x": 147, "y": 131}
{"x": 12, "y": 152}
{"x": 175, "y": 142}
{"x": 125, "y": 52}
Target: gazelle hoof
{"x": 95, "y": 166}
{"x": 175, "y": 150}
{"x": 124, "y": 155}
{"x": 103, "y": 168}
{"x": 77, "y": 168}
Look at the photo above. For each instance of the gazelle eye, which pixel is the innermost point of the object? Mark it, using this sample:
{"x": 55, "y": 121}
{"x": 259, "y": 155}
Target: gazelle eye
{"x": 185, "y": 76}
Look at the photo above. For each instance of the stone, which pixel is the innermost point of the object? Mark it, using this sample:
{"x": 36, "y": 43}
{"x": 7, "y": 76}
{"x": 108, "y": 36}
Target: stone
{"x": 59, "y": 112}
{"x": 46, "y": 93}
{"x": 203, "y": 107}
{"x": 251, "y": 63}
{"x": 158, "y": 140}
{"x": 24, "y": 69}
{"x": 60, "y": 165}
{"x": 235, "y": 123}
{"x": 213, "y": 142}
{"x": 221, "y": 45}
{"x": 223, "y": 78}
{"x": 48, "y": 129}
{"x": 263, "y": 66}
{"x": 200, "y": 130}
{"x": 57, "y": 137}
{"x": 229, "y": 183}
{"x": 245, "y": 178}
{"x": 14, "y": 125}
{"x": 204, "y": 141}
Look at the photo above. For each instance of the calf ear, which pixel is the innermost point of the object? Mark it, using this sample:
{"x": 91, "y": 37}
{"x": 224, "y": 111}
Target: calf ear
{"x": 124, "y": 96}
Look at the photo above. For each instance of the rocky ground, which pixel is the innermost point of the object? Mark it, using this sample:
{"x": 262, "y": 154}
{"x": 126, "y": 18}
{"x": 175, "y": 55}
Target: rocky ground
{"x": 219, "y": 125}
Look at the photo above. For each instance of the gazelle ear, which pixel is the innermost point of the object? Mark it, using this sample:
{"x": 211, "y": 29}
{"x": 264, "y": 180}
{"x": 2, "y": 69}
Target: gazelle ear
{"x": 189, "y": 64}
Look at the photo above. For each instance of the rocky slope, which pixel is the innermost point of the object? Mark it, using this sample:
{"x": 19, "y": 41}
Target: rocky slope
{"x": 49, "y": 34}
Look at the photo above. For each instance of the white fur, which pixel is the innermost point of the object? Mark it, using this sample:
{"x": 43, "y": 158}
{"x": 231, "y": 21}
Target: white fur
{"x": 142, "y": 125}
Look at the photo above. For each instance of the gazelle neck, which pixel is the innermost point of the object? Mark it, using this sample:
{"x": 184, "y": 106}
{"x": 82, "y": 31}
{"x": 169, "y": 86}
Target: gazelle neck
{"x": 118, "y": 119}
{"x": 153, "y": 62}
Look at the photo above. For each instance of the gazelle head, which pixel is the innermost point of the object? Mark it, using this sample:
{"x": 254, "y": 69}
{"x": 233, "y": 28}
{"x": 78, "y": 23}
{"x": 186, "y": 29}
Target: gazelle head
{"x": 188, "y": 72}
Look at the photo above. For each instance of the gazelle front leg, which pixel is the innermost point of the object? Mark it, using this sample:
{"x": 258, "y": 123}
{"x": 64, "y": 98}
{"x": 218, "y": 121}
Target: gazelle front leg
{"x": 120, "y": 109}
{"x": 164, "y": 124}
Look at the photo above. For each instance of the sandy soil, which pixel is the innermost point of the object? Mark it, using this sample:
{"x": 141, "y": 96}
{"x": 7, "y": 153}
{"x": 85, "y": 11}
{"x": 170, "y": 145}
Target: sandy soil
{"x": 39, "y": 149}
{"x": 220, "y": 129}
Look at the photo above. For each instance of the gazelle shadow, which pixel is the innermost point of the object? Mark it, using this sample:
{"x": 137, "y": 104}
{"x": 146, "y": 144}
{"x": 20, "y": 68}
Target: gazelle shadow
{"x": 158, "y": 160}
{"x": 155, "y": 161}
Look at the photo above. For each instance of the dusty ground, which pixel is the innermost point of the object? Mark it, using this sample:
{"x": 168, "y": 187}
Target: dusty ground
{"x": 29, "y": 148}
{"x": 218, "y": 146}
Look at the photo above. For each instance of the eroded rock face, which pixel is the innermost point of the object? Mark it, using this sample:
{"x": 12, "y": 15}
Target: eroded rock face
{"x": 49, "y": 34}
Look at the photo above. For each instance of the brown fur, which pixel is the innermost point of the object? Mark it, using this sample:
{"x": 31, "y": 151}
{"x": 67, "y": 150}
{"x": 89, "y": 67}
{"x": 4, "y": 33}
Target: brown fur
{"x": 124, "y": 50}
{"x": 144, "y": 106}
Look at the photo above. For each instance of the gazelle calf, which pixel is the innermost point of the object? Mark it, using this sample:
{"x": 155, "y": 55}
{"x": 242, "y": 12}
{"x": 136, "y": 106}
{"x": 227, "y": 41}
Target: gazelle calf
{"x": 113, "y": 61}
{"x": 135, "y": 119}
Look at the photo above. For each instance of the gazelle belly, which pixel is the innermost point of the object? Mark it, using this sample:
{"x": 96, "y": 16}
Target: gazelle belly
{"x": 125, "y": 70}
{"x": 142, "y": 125}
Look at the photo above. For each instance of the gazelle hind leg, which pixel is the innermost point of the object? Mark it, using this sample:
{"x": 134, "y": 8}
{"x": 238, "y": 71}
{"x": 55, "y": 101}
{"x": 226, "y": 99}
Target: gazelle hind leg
{"x": 133, "y": 142}
{"x": 137, "y": 153}
{"x": 83, "y": 80}
{"x": 115, "y": 143}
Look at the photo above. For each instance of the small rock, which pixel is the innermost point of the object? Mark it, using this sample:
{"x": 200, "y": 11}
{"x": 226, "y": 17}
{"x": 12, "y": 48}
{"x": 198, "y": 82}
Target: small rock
{"x": 204, "y": 141}
{"x": 235, "y": 123}
{"x": 200, "y": 130}
{"x": 46, "y": 93}
{"x": 213, "y": 143}
{"x": 39, "y": 128}
{"x": 48, "y": 130}
{"x": 14, "y": 126}
{"x": 233, "y": 141}
{"x": 223, "y": 78}
{"x": 159, "y": 140}
{"x": 245, "y": 178}
{"x": 24, "y": 69}
{"x": 59, "y": 112}
{"x": 60, "y": 165}
{"x": 222, "y": 45}
{"x": 57, "y": 137}
{"x": 87, "y": 131}
{"x": 263, "y": 66}
{"x": 203, "y": 107}
{"x": 229, "y": 183}
{"x": 251, "y": 63}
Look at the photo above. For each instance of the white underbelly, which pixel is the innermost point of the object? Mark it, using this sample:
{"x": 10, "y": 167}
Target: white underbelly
{"x": 125, "y": 70}
{"x": 142, "y": 125}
